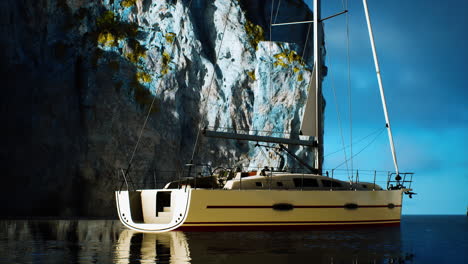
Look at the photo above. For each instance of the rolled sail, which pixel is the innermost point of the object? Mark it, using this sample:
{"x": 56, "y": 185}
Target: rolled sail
{"x": 309, "y": 117}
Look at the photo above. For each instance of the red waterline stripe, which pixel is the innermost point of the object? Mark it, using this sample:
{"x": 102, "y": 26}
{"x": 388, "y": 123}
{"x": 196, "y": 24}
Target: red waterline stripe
{"x": 284, "y": 227}
{"x": 295, "y": 222}
{"x": 294, "y": 206}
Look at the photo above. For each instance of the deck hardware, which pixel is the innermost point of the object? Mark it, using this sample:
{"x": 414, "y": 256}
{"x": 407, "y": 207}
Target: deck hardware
{"x": 283, "y": 207}
{"x": 351, "y": 206}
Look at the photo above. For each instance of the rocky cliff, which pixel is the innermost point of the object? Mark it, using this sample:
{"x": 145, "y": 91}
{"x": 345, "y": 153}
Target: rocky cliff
{"x": 80, "y": 78}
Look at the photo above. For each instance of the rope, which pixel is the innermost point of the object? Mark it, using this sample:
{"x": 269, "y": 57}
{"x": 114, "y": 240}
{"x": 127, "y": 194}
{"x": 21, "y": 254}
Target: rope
{"x": 338, "y": 116}
{"x": 266, "y": 157}
{"x": 152, "y": 102}
{"x": 345, "y": 7}
{"x": 269, "y": 48}
{"x": 271, "y": 15}
{"x": 307, "y": 39}
{"x": 305, "y": 44}
{"x": 372, "y": 141}
{"x": 356, "y": 142}
{"x": 277, "y": 11}
{"x": 211, "y": 85}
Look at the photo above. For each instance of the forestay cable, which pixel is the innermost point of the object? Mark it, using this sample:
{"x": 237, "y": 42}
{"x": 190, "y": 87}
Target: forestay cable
{"x": 338, "y": 115}
{"x": 356, "y": 142}
{"x": 154, "y": 99}
{"x": 345, "y": 7}
{"x": 370, "y": 143}
{"x": 201, "y": 126}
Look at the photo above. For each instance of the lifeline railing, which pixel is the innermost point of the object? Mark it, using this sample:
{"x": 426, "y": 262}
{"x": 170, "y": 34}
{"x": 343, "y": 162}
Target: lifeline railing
{"x": 193, "y": 173}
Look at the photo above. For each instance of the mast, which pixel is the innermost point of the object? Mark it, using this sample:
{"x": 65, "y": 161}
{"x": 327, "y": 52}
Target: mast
{"x": 379, "y": 79}
{"x": 318, "y": 85}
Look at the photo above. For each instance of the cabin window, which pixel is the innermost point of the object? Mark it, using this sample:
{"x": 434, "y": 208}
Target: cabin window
{"x": 259, "y": 184}
{"x": 299, "y": 182}
{"x": 329, "y": 183}
{"x": 279, "y": 184}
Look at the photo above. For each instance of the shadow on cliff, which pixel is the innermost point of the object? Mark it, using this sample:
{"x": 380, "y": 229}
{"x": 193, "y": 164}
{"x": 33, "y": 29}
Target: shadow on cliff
{"x": 71, "y": 112}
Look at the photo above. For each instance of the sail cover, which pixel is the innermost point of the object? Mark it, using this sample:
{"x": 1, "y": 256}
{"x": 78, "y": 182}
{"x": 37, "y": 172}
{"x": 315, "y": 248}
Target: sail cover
{"x": 309, "y": 118}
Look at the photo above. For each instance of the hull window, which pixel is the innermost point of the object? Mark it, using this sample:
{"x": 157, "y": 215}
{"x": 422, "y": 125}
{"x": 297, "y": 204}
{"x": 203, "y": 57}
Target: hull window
{"x": 328, "y": 183}
{"x": 299, "y": 182}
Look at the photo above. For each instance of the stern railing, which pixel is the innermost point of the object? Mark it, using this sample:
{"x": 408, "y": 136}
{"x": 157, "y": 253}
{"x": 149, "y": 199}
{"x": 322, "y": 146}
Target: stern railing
{"x": 198, "y": 175}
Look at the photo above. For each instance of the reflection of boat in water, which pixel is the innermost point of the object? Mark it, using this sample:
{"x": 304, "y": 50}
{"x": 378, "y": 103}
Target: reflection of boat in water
{"x": 376, "y": 245}
{"x": 168, "y": 247}
{"x": 267, "y": 199}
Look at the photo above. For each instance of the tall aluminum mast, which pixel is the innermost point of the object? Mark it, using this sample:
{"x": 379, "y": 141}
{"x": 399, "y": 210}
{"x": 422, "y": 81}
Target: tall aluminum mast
{"x": 318, "y": 84}
{"x": 379, "y": 79}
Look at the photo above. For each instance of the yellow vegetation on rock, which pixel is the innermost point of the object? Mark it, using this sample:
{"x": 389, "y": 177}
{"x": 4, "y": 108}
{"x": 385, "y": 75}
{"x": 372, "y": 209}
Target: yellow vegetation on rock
{"x": 251, "y": 74}
{"x": 110, "y": 30}
{"x": 255, "y": 33}
{"x": 300, "y": 78}
{"x": 135, "y": 51}
{"x": 170, "y": 37}
{"x": 128, "y": 3}
{"x": 142, "y": 95}
{"x": 166, "y": 58}
{"x": 107, "y": 39}
{"x": 143, "y": 77}
{"x": 286, "y": 58}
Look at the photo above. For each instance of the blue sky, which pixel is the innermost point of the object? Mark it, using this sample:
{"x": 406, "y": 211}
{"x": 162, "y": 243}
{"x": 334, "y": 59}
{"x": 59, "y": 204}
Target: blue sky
{"x": 422, "y": 47}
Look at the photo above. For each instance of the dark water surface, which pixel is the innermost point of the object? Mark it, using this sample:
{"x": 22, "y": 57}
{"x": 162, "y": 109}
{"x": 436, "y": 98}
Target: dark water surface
{"x": 419, "y": 239}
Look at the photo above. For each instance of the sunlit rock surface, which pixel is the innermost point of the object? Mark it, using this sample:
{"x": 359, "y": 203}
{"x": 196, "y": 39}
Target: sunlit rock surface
{"x": 81, "y": 76}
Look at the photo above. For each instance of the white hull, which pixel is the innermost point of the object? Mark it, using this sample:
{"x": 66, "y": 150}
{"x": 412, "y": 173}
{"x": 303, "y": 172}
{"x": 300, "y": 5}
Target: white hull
{"x": 207, "y": 209}
{"x": 136, "y": 210}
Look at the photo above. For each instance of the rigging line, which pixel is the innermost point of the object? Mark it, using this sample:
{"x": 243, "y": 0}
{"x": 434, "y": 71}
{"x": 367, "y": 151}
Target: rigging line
{"x": 266, "y": 157}
{"x": 277, "y": 11}
{"x": 372, "y": 141}
{"x": 338, "y": 114}
{"x": 200, "y": 127}
{"x": 271, "y": 16}
{"x": 269, "y": 48}
{"x": 152, "y": 102}
{"x": 305, "y": 44}
{"x": 349, "y": 87}
{"x": 356, "y": 142}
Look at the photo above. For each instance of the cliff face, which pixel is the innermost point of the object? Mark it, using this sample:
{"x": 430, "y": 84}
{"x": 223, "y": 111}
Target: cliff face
{"x": 81, "y": 77}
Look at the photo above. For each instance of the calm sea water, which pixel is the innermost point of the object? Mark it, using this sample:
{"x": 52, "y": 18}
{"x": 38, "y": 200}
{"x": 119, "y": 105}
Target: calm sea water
{"x": 419, "y": 239}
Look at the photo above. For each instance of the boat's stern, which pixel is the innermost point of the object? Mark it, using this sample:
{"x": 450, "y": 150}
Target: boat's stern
{"x": 157, "y": 210}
